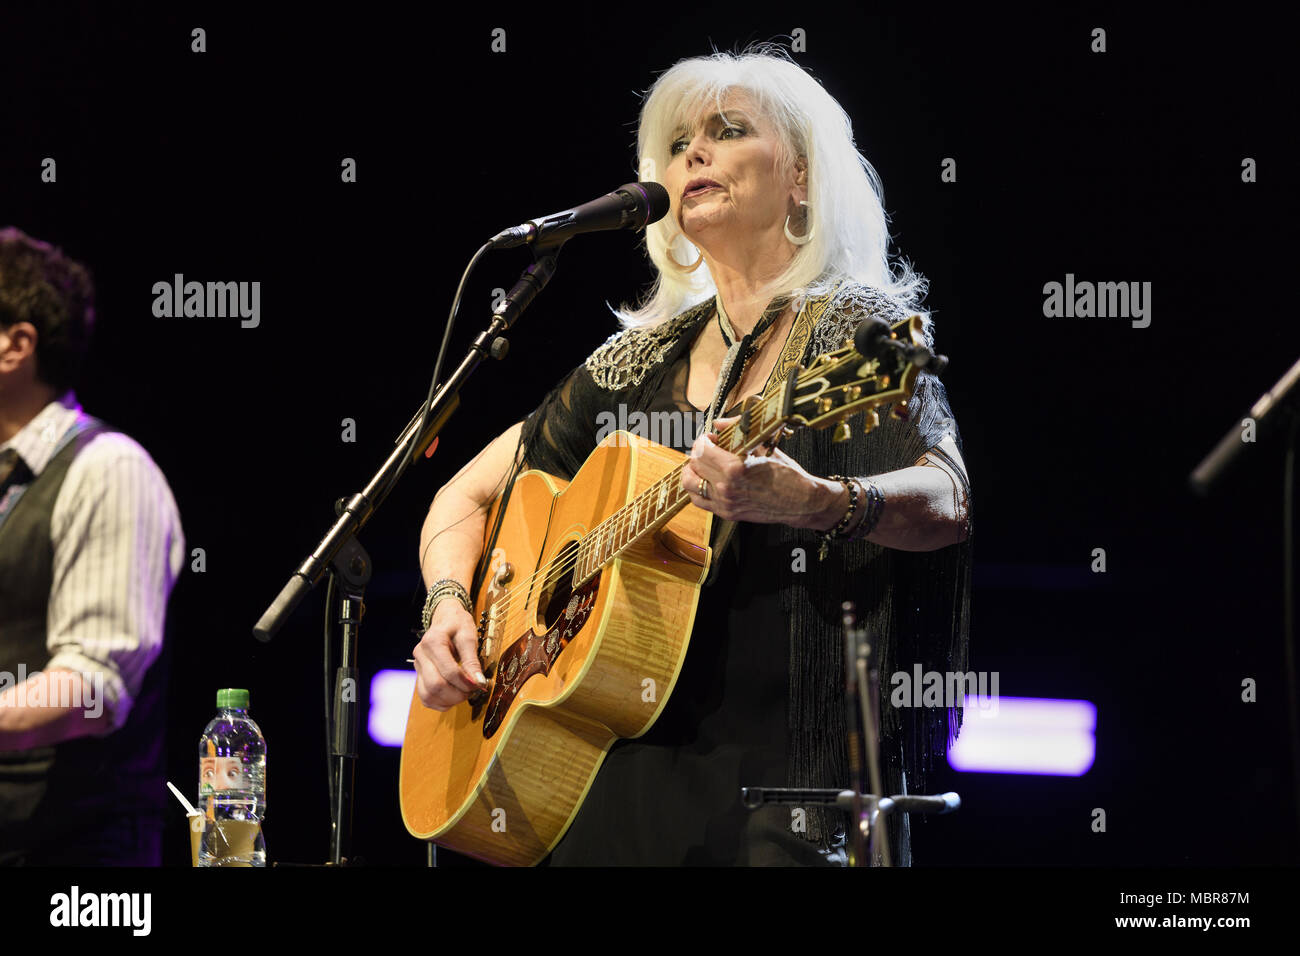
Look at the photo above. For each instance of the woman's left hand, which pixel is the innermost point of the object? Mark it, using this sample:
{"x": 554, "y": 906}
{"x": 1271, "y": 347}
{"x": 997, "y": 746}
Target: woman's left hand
{"x": 767, "y": 486}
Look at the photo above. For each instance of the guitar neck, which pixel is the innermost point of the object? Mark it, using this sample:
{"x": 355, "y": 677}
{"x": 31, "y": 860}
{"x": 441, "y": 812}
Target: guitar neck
{"x": 836, "y": 385}
{"x": 657, "y": 505}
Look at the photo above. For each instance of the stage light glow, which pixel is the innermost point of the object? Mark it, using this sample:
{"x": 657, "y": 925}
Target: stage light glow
{"x": 1026, "y": 735}
{"x": 390, "y": 704}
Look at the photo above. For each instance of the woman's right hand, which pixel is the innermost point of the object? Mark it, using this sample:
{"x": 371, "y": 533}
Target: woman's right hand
{"x": 447, "y": 668}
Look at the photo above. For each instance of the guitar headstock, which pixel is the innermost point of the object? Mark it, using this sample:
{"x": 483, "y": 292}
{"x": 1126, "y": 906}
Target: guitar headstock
{"x": 842, "y": 383}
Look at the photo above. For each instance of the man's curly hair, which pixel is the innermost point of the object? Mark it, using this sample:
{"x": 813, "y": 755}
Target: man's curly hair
{"x": 40, "y": 285}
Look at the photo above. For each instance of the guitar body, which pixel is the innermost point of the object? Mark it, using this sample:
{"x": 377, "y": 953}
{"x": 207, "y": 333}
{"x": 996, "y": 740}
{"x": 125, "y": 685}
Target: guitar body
{"x": 577, "y": 661}
{"x": 500, "y": 778}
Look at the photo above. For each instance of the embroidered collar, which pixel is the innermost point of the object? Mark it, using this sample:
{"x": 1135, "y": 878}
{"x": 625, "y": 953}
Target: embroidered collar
{"x": 822, "y": 324}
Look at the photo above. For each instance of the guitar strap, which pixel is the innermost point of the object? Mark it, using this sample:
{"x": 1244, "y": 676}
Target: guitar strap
{"x": 792, "y": 355}
{"x": 485, "y": 559}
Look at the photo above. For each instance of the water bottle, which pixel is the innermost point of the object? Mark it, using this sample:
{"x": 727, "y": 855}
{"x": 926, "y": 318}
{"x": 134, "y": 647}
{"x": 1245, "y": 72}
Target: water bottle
{"x": 232, "y": 785}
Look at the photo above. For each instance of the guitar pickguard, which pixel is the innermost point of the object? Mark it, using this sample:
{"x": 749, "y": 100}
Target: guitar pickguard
{"x": 535, "y": 654}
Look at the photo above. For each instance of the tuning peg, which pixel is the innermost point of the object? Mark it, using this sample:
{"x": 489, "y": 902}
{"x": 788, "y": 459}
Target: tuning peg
{"x": 842, "y": 432}
{"x": 899, "y": 411}
{"x": 870, "y": 421}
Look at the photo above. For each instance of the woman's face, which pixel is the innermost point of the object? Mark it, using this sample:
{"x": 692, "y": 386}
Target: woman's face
{"x": 735, "y": 151}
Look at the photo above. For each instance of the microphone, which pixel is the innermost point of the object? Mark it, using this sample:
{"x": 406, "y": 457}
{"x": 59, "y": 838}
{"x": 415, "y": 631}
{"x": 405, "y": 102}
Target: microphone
{"x": 628, "y": 207}
{"x": 937, "y": 804}
{"x": 872, "y": 341}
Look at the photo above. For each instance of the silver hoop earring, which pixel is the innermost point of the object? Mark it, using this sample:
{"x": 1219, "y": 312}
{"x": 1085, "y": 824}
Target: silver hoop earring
{"x": 682, "y": 268}
{"x": 804, "y": 239}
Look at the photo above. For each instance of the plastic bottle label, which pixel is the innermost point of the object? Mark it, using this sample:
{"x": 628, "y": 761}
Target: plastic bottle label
{"x": 222, "y": 773}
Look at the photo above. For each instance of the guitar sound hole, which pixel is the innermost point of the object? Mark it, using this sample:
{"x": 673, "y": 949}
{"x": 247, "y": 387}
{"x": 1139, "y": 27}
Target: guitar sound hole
{"x": 558, "y": 592}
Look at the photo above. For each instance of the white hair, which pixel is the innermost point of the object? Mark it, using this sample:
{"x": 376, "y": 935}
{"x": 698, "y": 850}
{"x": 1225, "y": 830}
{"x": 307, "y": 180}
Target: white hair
{"x": 846, "y": 211}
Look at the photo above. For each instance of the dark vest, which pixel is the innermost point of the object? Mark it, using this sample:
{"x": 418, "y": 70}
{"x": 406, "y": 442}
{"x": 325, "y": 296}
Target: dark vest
{"x": 75, "y": 791}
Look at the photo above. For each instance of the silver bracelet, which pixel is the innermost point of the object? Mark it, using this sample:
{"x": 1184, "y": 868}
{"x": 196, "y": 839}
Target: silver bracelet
{"x": 447, "y": 587}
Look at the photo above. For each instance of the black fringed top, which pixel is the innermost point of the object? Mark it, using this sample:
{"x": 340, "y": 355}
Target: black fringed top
{"x": 759, "y": 701}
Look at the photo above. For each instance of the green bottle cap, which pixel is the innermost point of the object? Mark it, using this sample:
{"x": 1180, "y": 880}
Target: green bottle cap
{"x": 232, "y": 697}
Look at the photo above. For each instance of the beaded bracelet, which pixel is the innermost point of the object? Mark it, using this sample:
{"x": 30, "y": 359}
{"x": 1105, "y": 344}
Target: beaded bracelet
{"x": 874, "y": 506}
{"x": 447, "y": 587}
{"x": 838, "y": 531}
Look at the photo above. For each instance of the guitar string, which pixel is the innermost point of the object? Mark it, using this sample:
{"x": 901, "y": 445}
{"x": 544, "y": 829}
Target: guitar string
{"x": 504, "y": 605}
{"x": 620, "y": 520}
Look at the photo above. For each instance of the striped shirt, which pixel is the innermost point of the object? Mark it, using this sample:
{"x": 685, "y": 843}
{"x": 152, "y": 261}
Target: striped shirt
{"x": 118, "y": 550}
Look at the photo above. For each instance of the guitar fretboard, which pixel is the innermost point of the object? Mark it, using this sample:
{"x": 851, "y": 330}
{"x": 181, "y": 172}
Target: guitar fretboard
{"x": 657, "y": 504}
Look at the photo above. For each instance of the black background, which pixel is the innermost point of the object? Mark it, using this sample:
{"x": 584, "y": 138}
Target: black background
{"x": 1079, "y": 433}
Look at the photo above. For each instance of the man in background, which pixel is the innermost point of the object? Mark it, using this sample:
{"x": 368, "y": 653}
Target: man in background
{"x": 90, "y": 547}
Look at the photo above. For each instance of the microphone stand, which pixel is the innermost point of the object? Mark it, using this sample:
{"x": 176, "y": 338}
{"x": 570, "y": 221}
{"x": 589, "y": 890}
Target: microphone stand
{"x": 860, "y": 698}
{"x": 339, "y": 553}
{"x": 868, "y": 812}
{"x": 1278, "y": 406}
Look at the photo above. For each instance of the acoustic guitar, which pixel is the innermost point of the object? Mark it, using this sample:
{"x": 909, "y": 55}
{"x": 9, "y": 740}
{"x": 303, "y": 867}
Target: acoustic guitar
{"x": 587, "y": 607}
